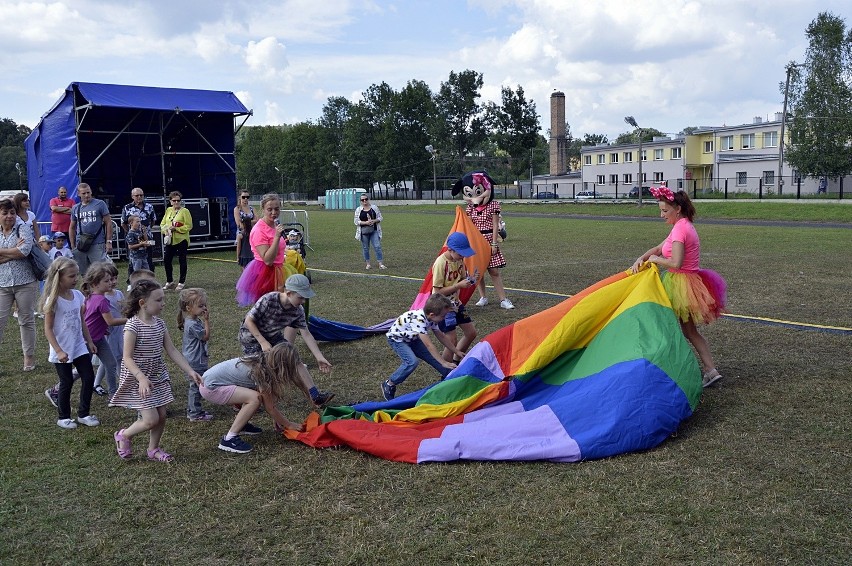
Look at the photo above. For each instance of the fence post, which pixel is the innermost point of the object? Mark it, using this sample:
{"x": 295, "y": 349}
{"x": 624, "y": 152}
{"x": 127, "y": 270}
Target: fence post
{"x": 760, "y": 189}
{"x": 841, "y": 187}
{"x": 799, "y": 188}
{"x": 726, "y": 188}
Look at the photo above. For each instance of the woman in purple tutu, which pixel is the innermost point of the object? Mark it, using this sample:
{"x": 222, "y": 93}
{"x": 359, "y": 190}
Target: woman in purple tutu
{"x": 697, "y": 295}
{"x": 267, "y": 271}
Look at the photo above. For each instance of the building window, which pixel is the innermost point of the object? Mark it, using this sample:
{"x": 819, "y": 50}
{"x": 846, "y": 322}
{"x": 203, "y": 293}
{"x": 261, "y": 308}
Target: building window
{"x": 727, "y": 143}
{"x": 742, "y": 178}
{"x": 628, "y": 157}
{"x": 601, "y": 159}
{"x": 770, "y": 139}
{"x": 769, "y": 177}
{"x": 613, "y": 179}
{"x": 658, "y": 176}
{"x": 677, "y": 152}
{"x": 627, "y": 178}
{"x": 747, "y": 141}
{"x": 613, "y": 158}
{"x": 680, "y": 184}
{"x": 587, "y": 159}
{"x": 658, "y": 154}
{"x": 601, "y": 179}
{"x": 708, "y": 147}
{"x": 644, "y": 155}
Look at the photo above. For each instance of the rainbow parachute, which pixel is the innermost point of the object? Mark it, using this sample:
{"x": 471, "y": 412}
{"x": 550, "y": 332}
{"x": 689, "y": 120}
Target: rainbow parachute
{"x": 605, "y": 372}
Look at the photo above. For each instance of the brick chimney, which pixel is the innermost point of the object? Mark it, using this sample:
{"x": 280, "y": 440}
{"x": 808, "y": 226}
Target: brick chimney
{"x": 558, "y": 143}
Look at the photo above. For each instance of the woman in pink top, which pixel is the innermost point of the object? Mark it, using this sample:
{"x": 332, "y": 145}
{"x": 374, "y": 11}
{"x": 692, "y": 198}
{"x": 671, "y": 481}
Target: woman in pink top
{"x": 697, "y": 295}
{"x": 266, "y": 272}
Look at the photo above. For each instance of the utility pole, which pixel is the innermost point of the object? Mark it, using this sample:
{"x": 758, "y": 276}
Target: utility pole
{"x": 632, "y": 121}
{"x": 790, "y": 67}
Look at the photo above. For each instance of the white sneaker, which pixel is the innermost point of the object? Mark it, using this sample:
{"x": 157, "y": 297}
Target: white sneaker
{"x": 711, "y": 377}
{"x": 180, "y": 287}
{"x": 482, "y": 302}
{"x": 129, "y": 287}
{"x": 66, "y": 423}
{"x": 506, "y": 304}
{"x": 91, "y": 420}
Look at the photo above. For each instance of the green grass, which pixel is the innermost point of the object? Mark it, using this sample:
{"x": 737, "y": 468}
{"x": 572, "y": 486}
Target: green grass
{"x": 759, "y": 475}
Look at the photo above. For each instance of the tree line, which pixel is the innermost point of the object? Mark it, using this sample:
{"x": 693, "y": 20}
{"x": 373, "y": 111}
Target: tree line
{"x": 382, "y": 139}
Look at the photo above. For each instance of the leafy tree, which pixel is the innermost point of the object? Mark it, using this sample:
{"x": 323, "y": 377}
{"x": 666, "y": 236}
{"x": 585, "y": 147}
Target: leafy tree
{"x": 515, "y": 128}
{"x": 464, "y": 126}
{"x": 648, "y": 134}
{"x": 12, "y": 152}
{"x": 594, "y": 139}
{"x": 573, "y": 148}
{"x": 335, "y": 114}
{"x": 257, "y": 156}
{"x": 820, "y": 98}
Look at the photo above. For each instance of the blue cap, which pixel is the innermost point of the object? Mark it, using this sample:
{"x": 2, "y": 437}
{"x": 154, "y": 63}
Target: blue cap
{"x": 59, "y": 235}
{"x": 459, "y": 243}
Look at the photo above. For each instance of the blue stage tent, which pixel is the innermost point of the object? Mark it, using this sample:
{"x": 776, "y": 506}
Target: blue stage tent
{"x": 116, "y": 137}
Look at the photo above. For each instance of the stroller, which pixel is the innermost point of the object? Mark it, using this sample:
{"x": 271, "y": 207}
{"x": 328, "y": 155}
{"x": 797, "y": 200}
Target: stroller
{"x": 295, "y": 239}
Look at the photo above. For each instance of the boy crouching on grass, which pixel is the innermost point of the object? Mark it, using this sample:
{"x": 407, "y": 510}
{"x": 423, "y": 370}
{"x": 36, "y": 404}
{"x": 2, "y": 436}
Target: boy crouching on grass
{"x": 409, "y": 338}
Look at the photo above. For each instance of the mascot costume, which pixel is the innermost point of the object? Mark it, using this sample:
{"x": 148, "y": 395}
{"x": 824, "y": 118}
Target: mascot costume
{"x": 476, "y": 190}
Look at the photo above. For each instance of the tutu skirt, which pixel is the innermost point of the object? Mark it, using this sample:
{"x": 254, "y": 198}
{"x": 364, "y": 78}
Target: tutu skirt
{"x": 700, "y": 296}
{"x": 259, "y": 279}
{"x": 256, "y": 280}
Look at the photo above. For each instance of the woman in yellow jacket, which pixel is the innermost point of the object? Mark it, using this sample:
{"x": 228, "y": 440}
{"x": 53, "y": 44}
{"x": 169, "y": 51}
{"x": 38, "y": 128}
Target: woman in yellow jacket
{"x": 175, "y": 227}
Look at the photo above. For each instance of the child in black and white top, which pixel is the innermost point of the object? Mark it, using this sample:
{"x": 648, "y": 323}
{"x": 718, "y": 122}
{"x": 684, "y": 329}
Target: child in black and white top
{"x": 409, "y": 338}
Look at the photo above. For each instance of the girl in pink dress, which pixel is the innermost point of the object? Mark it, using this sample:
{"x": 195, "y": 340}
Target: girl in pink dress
{"x": 697, "y": 295}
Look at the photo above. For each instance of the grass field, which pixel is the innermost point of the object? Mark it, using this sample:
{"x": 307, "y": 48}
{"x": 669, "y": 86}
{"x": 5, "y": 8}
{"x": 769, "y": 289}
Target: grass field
{"x": 759, "y": 475}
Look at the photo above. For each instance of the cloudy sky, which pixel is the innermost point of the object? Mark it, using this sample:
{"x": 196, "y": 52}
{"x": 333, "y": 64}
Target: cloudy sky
{"x": 669, "y": 63}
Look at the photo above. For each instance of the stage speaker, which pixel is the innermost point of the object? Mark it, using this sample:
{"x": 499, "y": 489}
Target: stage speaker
{"x": 199, "y": 209}
{"x": 220, "y": 225}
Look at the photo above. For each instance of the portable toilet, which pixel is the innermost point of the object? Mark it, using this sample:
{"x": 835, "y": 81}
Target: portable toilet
{"x": 358, "y": 193}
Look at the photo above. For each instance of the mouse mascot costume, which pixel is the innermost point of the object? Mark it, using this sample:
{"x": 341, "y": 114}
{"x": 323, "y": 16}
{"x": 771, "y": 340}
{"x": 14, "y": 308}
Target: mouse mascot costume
{"x": 476, "y": 190}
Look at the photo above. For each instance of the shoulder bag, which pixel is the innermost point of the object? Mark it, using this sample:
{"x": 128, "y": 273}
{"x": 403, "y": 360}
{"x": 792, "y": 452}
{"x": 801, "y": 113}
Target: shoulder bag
{"x": 85, "y": 241}
{"x": 38, "y": 258}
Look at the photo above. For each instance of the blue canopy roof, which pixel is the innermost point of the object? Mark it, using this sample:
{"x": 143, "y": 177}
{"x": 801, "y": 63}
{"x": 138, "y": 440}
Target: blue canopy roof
{"x": 156, "y": 98}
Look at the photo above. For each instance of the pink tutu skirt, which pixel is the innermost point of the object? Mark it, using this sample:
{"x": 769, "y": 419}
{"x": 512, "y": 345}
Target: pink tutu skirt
{"x": 257, "y": 280}
{"x": 700, "y": 296}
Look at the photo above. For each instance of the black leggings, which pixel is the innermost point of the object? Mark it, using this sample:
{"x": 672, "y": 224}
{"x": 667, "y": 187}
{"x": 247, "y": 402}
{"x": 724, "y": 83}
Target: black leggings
{"x": 170, "y": 252}
{"x": 66, "y": 382}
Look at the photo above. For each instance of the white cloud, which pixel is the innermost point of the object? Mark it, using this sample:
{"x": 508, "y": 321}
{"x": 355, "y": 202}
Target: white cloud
{"x": 266, "y": 58}
{"x": 245, "y": 97}
{"x": 272, "y": 113}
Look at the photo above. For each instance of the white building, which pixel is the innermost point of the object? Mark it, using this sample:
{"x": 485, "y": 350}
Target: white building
{"x": 729, "y": 159}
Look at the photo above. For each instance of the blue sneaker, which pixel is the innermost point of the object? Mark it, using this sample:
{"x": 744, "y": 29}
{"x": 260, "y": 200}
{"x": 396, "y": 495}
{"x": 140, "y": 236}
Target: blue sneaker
{"x": 323, "y": 398}
{"x": 388, "y": 390}
{"x": 236, "y": 445}
{"x": 251, "y": 430}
